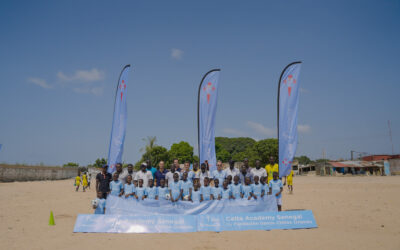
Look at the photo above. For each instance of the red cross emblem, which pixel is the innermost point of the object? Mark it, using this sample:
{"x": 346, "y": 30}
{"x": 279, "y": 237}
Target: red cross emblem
{"x": 122, "y": 86}
{"x": 289, "y": 80}
{"x": 286, "y": 162}
{"x": 208, "y": 88}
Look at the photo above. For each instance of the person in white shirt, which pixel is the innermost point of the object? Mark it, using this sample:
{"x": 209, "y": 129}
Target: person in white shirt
{"x": 258, "y": 170}
{"x": 144, "y": 175}
{"x": 203, "y": 173}
{"x": 219, "y": 173}
{"x": 232, "y": 171}
{"x": 169, "y": 177}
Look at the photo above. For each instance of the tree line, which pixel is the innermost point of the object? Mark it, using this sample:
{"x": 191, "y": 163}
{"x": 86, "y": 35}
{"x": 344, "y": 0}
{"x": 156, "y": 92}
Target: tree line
{"x": 226, "y": 148}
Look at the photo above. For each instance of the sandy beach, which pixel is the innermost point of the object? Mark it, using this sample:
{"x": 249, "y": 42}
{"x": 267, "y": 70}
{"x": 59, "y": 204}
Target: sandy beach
{"x": 351, "y": 213}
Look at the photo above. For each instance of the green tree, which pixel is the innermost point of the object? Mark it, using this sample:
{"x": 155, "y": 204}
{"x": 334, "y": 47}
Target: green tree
{"x": 150, "y": 143}
{"x": 196, "y": 158}
{"x": 181, "y": 151}
{"x": 235, "y": 145}
{"x": 221, "y": 153}
{"x": 100, "y": 162}
{"x": 266, "y": 148}
{"x": 71, "y": 164}
{"x": 303, "y": 160}
{"x": 156, "y": 154}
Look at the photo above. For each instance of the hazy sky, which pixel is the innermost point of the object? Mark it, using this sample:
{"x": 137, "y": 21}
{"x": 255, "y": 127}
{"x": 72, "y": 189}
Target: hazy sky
{"x": 60, "y": 61}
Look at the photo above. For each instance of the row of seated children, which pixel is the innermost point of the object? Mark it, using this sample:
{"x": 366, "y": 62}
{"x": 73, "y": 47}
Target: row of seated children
{"x": 187, "y": 191}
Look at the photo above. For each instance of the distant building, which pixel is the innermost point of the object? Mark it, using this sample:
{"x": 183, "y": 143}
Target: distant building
{"x": 380, "y": 157}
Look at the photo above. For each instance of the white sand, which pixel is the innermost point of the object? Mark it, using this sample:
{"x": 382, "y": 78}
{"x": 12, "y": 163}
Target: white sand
{"x": 351, "y": 212}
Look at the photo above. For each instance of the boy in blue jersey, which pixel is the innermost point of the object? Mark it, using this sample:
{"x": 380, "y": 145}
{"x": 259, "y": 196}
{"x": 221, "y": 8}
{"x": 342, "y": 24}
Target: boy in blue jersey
{"x": 139, "y": 194}
{"x": 205, "y": 191}
{"x": 129, "y": 188}
{"x": 229, "y": 179}
{"x": 162, "y": 190}
{"x": 196, "y": 194}
{"x": 150, "y": 191}
{"x": 116, "y": 186}
{"x": 258, "y": 189}
{"x": 175, "y": 189}
{"x": 226, "y": 191}
{"x": 264, "y": 186}
{"x": 100, "y": 208}
{"x": 216, "y": 191}
{"x": 276, "y": 188}
{"x": 247, "y": 191}
{"x": 187, "y": 187}
{"x": 236, "y": 188}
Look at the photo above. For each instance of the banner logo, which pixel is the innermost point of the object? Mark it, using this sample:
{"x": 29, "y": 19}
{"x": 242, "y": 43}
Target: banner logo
{"x": 289, "y": 80}
{"x": 209, "y": 88}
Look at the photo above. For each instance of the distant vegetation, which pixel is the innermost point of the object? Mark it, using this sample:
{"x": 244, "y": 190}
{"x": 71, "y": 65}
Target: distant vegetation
{"x": 226, "y": 148}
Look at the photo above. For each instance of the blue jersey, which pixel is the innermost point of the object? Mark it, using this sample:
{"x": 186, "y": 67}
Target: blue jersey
{"x": 100, "y": 207}
{"x": 257, "y": 189}
{"x": 226, "y": 193}
{"x": 220, "y": 175}
{"x": 191, "y": 176}
{"x": 246, "y": 190}
{"x": 216, "y": 192}
{"x": 129, "y": 189}
{"x": 276, "y": 186}
{"x": 265, "y": 187}
{"x": 186, "y": 185}
{"x": 150, "y": 192}
{"x": 162, "y": 192}
{"x": 140, "y": 192}
{"x": 116, "y": 187}
{"x": 175, "y": 188}
{"x": 236, "y": 190}
{"x": 206, "y": 192}
{"x": 196, "y": 195}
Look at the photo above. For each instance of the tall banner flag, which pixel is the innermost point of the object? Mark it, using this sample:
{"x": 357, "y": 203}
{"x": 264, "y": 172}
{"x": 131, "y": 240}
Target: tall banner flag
{"x": 206, "y": 110}
{"x": 119, "y": 122}
{"x": 288, "y": 102}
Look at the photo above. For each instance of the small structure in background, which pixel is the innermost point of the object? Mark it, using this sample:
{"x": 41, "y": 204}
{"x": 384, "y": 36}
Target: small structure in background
{"x": 368, "y": 165}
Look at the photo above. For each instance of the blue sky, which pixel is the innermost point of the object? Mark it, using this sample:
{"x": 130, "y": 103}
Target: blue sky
{"x": 59, "y": 64}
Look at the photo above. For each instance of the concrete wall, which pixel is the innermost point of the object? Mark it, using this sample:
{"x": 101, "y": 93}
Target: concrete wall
{"x": 394, "y": 166}
{"x": 9, "y": 173}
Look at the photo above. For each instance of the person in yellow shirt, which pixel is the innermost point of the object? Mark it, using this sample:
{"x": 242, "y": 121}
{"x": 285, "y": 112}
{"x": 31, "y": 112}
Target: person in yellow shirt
{"x": 77, "y": 182}
{"x": 271, "y": 168}
{"x": 84, "y": 182}
{"x": 289, "y": 179}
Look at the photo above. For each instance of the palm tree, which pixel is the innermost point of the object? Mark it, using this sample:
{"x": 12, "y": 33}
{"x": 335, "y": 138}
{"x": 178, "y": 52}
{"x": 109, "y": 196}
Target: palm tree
{"x": 150, "y": 143}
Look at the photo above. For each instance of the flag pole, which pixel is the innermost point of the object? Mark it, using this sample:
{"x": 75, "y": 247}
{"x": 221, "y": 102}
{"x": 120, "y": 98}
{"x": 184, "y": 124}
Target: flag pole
{"x": 279, "y": 92}
{"x": 198, "y": 110}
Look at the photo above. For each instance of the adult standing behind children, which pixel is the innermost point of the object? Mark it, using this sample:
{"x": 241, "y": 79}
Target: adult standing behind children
{"x": 232, "y": 171}
{"x": 258, "y": 170}
{"x": 219, "y": 173}
{"x": 170, "y": 175}
{"x": 150, "y": 168}
{"x": 243, "y": 174}
{"x": 160, "y": 173}
{"x": 203, "y": 173}
{"x": 177, "y": 166}
{"x": 121, "y": 175}
{"x": 271, "y": 168}
{"x": 144, "y": 175}
{"x": 130, "y": 172}
{"x": 103, "y": 180}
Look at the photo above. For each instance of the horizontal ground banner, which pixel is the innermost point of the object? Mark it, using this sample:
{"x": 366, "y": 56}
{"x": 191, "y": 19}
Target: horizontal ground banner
{"x": 94, "y": 223}
{"x": 121, "y": 206}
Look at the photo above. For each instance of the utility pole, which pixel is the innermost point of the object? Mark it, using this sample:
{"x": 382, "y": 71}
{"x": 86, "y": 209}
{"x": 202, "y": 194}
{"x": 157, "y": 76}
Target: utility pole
{"x": 390, "y": 135}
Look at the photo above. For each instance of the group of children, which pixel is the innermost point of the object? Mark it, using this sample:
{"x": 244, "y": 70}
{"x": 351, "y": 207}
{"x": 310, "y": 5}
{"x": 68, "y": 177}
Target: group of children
{"x": 84, "y": 180}
{"x": 191, "y": 190}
